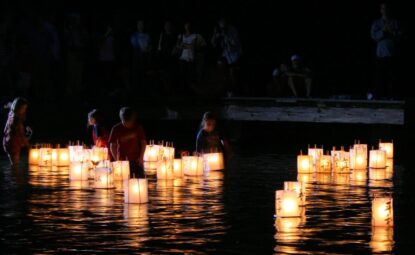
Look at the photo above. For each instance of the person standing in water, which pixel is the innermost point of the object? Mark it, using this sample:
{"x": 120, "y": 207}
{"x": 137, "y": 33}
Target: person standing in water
{"x": 15, "y": 132}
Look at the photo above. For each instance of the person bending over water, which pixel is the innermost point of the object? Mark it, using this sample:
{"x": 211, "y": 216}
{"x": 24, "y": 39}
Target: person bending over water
{"x": 100, "y": 134}
{"x": 209, "y": 139}
{"x": 15, "y": 132}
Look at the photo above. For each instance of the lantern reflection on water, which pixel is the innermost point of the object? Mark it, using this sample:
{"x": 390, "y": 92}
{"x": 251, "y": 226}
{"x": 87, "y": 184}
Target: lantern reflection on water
{"x": 304, "y": 164}
{"x": 377, "y": 174}
{"x": 323, "y": 178}
{"x": 136, "y": 216}
{"x": 382, "y": 240}
{"x": 382, "y": 212}
{"x": 377, "y": 159}
{"x": 359, "y": 177}
{"x": 136, "y": 191}
{"x": 214, "y": 161}
{"x": 193, "y": 165}
{"x": 305, "y": 178}
{"x": 287, "y": 204}
{"x": 104, "y": 178}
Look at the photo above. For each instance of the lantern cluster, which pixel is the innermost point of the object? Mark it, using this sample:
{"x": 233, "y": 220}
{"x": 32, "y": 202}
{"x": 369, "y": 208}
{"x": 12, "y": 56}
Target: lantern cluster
{"x": 45, "y": 155}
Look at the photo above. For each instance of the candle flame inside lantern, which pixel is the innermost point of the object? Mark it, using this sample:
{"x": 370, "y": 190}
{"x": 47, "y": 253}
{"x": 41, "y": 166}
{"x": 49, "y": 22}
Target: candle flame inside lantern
{"x": 103, "y": 179}
{"x": 64, "y": 156}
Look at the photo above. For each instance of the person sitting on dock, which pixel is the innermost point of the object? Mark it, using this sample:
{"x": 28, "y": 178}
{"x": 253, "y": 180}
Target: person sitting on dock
{"x": 128, "y": 141}
{"x": 14, "y": 132}
{"x": 209, "y": 139}
{"x": 298, "y": 76}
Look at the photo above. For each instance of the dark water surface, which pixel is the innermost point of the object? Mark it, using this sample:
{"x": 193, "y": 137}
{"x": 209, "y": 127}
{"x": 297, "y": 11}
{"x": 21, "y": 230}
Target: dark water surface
{"x": 222, "y": 213}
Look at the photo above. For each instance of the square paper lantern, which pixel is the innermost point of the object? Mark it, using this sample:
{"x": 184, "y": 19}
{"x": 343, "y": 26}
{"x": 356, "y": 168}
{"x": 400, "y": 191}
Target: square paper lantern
{"x": 34, "y": 156}
{"x": 150, "y": 165}
{"x": 341, "y": 162}
{"x": 152, "y": 152}
{"x": 377, "y": 159}
{"x": 323, "y": 164}
{"x": 193, "y": 165}
{"x": 315, "y": 153}
{"x": 45, "y": 157}
{"x": 168, "y": 153}
{"x": 104, "y": 178}
{"x": 62, "y": 157}
{"x": 78, "y": 171}
{"x": 299, "y": 188}
{"x": 99, "y": 153}
{"x": 382, "y": 212}
{"x": 214, "y": 161}
{"x": 75, "y": 153}
{"x": 136, "y": 191}
{"x": 177, "y": 168}
{"x": 388, "y": 148}
{"x": 121, "y": 170}
{"x": 287, "y": 204}
{"x": 358, "y": 157}
{"x": 304, "y": 164}
{"x": 165, "y": 171}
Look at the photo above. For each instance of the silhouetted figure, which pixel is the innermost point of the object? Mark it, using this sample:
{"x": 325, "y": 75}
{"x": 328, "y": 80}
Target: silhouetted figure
{"x": 298, "y": 77}
{"x": 386, "y": 32}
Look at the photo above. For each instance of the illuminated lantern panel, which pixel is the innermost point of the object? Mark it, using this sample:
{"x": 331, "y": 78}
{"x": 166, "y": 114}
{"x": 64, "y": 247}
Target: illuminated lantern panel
{"x": 62, "y": 155}
{"x": 287, "y": 204}
{"x": 341, "y": 162}
{"x": 323, "y": 164}
{"x": 99, "y": 154}
{"x": 177, "y": 168}
{"x": 193, "y": 165}
{"x": 136, "y": 191}
{"x": 45, "y": 157}
{"x": 78, "y": 171}
{"x": 377, "y": 159}
{"x": 104, "y": 178}
{"x": 315, "y": 153}
{"x": 358, "y": 158}
{"x": 165, "y": 171}
{"x": 151, "y": 153}
{"x": 297, "y": 187}
{"x": 382, "y": 212}
{"x": 214, "y": 161}
{"x": 304, "y": 164}
{"x": 168, "y": 153}
{"x": 76, "y": 153}
{"x": 304, "y": 178}
{"x": 388, "y": 148}
{"x": 34, "y": 156}
{"x": 150, "y": 165}
{"x": 121, "y": 170}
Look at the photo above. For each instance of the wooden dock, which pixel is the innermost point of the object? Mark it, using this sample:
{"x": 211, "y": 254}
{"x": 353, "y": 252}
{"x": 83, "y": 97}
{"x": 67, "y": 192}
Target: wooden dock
{"x": 282, "y": 110}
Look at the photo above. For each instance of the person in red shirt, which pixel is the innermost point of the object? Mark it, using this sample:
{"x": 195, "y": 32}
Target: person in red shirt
{"x": 100, "y": 133}
{"x": 15, "y": 132}
{"x": 128, "y": 141}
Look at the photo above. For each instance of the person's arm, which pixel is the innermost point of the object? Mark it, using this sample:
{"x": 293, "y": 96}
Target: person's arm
{"x": 113, "y": 142}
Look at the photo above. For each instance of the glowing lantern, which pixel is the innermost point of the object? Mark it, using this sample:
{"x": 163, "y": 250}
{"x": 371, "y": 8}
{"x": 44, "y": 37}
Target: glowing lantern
{"x": 177, "y": 168}
{"x": 150, "y": 165}
{"x": 78, "y": 171}
{"x": 168, "y": 153}
{"x": 45, "y": 157}
{"x": 304, "y": 178}
{"x": 299, "y": 188}
{"x": 359, "y": 177}
{"x": 136, "y": 191}
{"x": 382, "y": 240}
{"x": 304, "y": 164}
{"x": 388, "y": 148}
{"x": 165, "y": 171}
{"x": 151, "y": 153}
{"x": 99, "y": 154}
{"x": 287, "y": 204}
{"x": 382, "y": 212}
{"x": 104, "y": 178}
{"x": 315, "y": 153}
{"x": 341, "y": 161}
{"x": 192, "y": 165}
{"x": 358, "y": 157}
{"x": 121, "y": 170}
{"x": 62, "y": 157}
{"x": 34, "y": 156}
{"x": 377, "y": 159}
{"x": 323, "y": 164}
{"x": 76, "y": 153}
{"x": 214, "y": 161}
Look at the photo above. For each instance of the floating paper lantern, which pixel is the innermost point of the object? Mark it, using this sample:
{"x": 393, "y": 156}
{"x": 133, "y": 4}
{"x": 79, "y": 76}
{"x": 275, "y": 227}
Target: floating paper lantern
{"x": 323, "y": 164}
{"x": 377, "y": 159}
{"x": 34, "y": 156}
{"x": 78, "y": 171}
{"x": 304, "y": 164}
{"x": 358, "y": 157}
{"x": 315, "y": 153}
{"x": 136, "y": 191}
{"x": 45, "y": 157}
{"x": 151, "y": 153}
{"x": 121, "y": 170}
{"x": 388, "y": 148}
{"x": 165, "y": 171}
{"x": 104, "y": 178}
{"x": 177, "y": 168}
{"x": 76, "y": 153}
{"x": 62, "y": 157}
{"x": 214, "y": 161}
{"x": 287, "y": 204}
{"x": 299, "y": 188}
{"x": 168, "y": 153}
{"x": 382, "y": 212}
{"x": 150, "y": 165}
{"x": 99, "y": 154}
{"x": 193, "y": 165}
{"x": 382, "y": 240}
{"x": 341, "y": 161}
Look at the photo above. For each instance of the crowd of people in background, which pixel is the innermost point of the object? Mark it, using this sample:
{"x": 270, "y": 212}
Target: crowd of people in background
{"x": 40, "y": 61}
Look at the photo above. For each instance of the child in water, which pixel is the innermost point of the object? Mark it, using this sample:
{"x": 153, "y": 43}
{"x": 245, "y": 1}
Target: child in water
{"x": 209, "y": 139}
{"x": 100, "y": 134}
{"x": 14, "y": 132}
